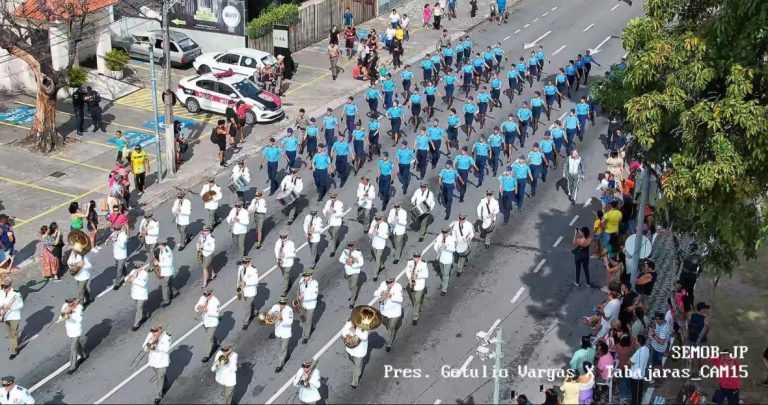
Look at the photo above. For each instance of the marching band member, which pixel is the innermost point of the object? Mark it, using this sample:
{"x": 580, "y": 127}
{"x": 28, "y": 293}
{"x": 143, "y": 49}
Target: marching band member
{"x": 357, "y": 353}
{"x": 353, "y": 261}
{"x": 11, "y": 304}
{"x": 334, "y": 211}
{"x": 313, "y": 227}
{"x": 379, "y": 233}
{"x": 14, "y": 394}
{"x": 158, "y": 344}
{"x": 423, "y": 196}
{"x": 445, "y": 247}
{"x": 487, "y": 210}
{"x": 139, "y": 279}
{"x": 206, "y": 244}
{"x": 213, "y": 205}
{"x": 72, "y": 315}
{"x": 182, "y": 209}
{"x": 247, "y": 281}
{"x": 309, "y": 289}
{"x": 283, "y": 326}
{"x": 397, "y": 220}
{"x": 390, "y": 295}
{"x": 239, "y": 219}
{"x": 417, "y": 272}
{"x": 292, "y": 184}
{"x": 120, "y": 252}
{"x": 258, "y": 208}
{"x": 84, "y": 262}
{"x": 167, "y": 272}
{"x": 463, "y": 232}
{"x": 225, "y": 369}
{"x": 208, "y": 306}
{"x": 307, "y": 380}
{"x": 285, "y": 252}
{"x": 150, "y": 228}
{"x": 241, "y": 171}
{"x": 366, "y": 193}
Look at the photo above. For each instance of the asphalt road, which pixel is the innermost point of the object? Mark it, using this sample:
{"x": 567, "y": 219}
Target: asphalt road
{"x": 509, "y": 281}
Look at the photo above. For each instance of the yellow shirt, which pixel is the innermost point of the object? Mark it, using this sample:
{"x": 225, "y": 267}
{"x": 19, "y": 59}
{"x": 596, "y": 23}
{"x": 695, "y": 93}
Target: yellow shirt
{"x": 612, "y": 219}
{"x": 596, "y": 228}
{"x": 400, "y": 34}
{"x": 139, "y": 162}
{"x": 570, "y": 392}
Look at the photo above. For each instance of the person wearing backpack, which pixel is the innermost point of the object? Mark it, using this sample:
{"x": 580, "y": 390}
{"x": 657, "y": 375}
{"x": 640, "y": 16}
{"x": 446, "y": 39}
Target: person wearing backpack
{"x": 93, "y": 98}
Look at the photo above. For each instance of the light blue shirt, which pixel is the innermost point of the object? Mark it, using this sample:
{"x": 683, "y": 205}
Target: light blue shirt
{"x": 415, "y": 98}
{"x": 524, "y": 114}
{"x": 467, "y": 44}
{"x": 321, "y": 160}
{"x": 330, "y": 122}
{"x": 448, "y": 52}
{"x": 521, "y": 68}
{"x": 430, "y": 90}
{"x": 520, "y": 170}
{"x": 422, "y": 142}
{"x": 449, "y": 80}
{"x": 358, "y": 134}
{"x": 537, "y": 102}
{"x": 535, "y": 158}
{"x": 427, "y": 64}
{"x": 405, "y": 156}
{"x": 435, "y": 133}
{"x": 513, "y": 74}
{"x": 395, "y": 112}
{"x": 406, "y": 75}
{"x": 540, "y": 55}
{"x": 560, "y": 78}
{"x": 350, "y": 109}
{"x": 557, "y": 132}
{"x": 373, "y": 125}
{"x": 341, "y": 148}
{"x": 571, "y": 122}
{"x": 483, "y": 98}
{"x": 478, "y": 62}
{"x": 467, "y": 69}
{"x": 470, "y": 108}
{"x": 385, "y": 166}
{"x": 496, "y": 140}
{"x": 550, "y": 90}
{"x": 582, "y": 109}
{"x": 495, "y": 84}
{"x": 547, "y": 145}
{"x": 509, "y": 126}
{"x": 449, "y": 175}
{"x": 388, "y": 85}
{"x": 290, "y": 143}
{"x": 570, "y": 70}
{"x": 463, "y": 162}
{"x": 272, "y": 153}
{"x": 481, "y": 148}
{"x": 508, "y": 183}
{"x": 312, "y": 130}
{"x": 453, "y": 120}
{"x": 371, "y": 94}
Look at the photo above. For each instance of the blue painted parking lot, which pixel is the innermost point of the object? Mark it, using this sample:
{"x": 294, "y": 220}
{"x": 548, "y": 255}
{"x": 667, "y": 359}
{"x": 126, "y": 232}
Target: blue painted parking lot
{"x": 21, "y": 115}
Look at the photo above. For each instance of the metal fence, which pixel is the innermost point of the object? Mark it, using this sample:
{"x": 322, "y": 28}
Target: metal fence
{"x": 316, "y": 20}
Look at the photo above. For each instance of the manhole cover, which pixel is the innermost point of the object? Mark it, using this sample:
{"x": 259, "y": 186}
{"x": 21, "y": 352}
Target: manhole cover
{"x": 57, "y": 174}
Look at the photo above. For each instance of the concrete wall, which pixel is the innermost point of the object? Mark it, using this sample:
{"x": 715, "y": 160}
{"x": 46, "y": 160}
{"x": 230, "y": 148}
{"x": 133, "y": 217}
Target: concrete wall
{"x": 15, "y": 75}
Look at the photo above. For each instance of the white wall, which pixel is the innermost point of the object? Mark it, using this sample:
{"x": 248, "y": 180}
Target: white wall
{"x": 15, "y": 75}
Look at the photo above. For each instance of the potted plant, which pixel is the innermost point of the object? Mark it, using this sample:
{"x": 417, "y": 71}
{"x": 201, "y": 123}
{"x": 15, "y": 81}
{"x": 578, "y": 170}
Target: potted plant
{"x": 116, "y": 60}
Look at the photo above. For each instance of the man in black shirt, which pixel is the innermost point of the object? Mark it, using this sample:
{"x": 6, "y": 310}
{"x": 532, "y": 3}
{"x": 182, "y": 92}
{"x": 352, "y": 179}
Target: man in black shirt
{"x": 645, "y": 282}
{"x": 93, "y": 98}
{"x": 232, "y": 122}
{"x": 78, "y": 102}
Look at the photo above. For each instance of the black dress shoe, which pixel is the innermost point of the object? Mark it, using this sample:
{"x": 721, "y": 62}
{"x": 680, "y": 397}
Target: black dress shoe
{"x": 157, "y": 401}
{"x": 351, "y": 306}
{"x": 354, "y": 387}
{"x": 333, "y": 254}
{"x": 304, "y": 341}
{"x": 205, "y": 359}
{"x": 388, "y": 349}
{"x": 70, "y": 372}
{"x": 396, "y": 261}
{"x": 245, "y": 327}
{"x": 458, "y": 274}
{"x": 271, "y": 335}
{"x": 421, "y": 239}
{"x": 116, "y": 286}
{"x": 13, "y": 356}
{"x": 135, "y": 328}
{"x": 278, "y": 369}
{"x": 375, "y": 278}
{"x": 290, "y": 222}
{"x": 414, "y": 322}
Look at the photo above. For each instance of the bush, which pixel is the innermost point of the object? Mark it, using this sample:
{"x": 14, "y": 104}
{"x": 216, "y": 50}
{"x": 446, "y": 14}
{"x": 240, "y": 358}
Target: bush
{"x": 285, "y": 14}
{"x": 116, "y": 59}
{"x": 77, "y": 76}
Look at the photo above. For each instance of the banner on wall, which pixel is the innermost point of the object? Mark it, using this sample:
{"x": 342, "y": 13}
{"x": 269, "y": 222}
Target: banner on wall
{"x": 220, "y": 16}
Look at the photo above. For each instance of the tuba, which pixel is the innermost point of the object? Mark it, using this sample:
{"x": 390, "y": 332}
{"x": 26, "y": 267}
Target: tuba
{"x": 266, "y": 318}
{"x": 81, "y": 244}
{"x": 208, "y": 196}
{"x": 223, "y": 360}
{"x": 364, "y": 317}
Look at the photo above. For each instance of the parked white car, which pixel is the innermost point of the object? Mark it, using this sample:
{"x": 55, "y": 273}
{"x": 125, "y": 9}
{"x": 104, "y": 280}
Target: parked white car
{"x": 243, "y": 61}
{"x": 210, "y": 92}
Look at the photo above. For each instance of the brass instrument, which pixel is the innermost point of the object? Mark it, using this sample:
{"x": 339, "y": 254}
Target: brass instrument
{"x": 364, "y": 317}
{"x": 155, "y": 266}
{"x": 351, "y": 260}
{"x": 297, "y": 302}
{"x": 80, "y": 244}
{"x": 202, "y": 308}
{"x": 266, "y": 318}
{"x": 304, "y": 381}
{"x": 239, "y": 288}
{"x": 239, "y": 293}
{"x": 223, "y": 360}
{"x": 143, "y": 233}
{"x": 200, "y": 255}
{"x": 280, "y": 254}
{"x": 385, "y": 296}
{"x": 414, "y": 275}
{"x": 152, "y": 344}
{"x": 67, "y": 311}
{"x": 6, "y": 308}
{"x": 208, "y": 196}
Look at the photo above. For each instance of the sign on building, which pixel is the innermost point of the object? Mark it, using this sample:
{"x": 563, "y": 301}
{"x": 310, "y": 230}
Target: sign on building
{"x": 220, "y": 16}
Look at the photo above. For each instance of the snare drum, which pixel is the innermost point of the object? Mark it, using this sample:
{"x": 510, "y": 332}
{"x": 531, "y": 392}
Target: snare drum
{"x": 284, "y": 198}
{"x": 420, "y": 210}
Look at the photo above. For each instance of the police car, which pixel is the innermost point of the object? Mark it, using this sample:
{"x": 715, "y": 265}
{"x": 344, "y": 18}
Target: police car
{"x": 212, "y": 92}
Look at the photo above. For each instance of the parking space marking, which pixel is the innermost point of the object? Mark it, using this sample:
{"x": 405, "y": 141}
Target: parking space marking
{"x": 540, "y": 265}
{"x": 75, "y": 162}
{"x": 557, "y": 242}
{"x": 160, "y": 72}
{"x": 71, "y": 115}
{"x": 315, "y": 67}
{"x": 13, "y": 125}
{"x": 558, "y": 50}
{"x": 573, "y": 221}
{"x": 62, "y": 205}
{"x": 142, "y": 100}
{"x": 517, "y": 295}
{"x": 30, "y": 185}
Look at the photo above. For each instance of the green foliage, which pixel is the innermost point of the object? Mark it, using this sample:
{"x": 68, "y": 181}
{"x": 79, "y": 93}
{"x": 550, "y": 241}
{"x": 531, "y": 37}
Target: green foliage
{"x": 116, "y": 59}
{"x": 77, "y": 76}
{"x": 285, "y": 14}
{"x": 696, "y": 95}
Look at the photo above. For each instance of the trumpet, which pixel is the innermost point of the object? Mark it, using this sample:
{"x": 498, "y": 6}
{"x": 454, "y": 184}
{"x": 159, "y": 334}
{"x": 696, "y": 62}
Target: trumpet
{"x": 223, "y": 360}
{"x": 266, "y": 318}
{"x": 152, "y": 344}
{"x": 67, "y": 311}
{"x": 350, "y": 259}
{"x": 142, "y": 234}
{"x": 4, "y": 310}
{"x": 155, "y": 266}
{"x": 385, "y": 296}
{"x": 199, "y": 310}
{"x": 304, "y": 381}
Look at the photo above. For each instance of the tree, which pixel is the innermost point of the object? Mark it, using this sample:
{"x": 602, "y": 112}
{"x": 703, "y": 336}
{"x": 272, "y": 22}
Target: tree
{"x": 695, "y": 94}
{"x": 25, "y": 34}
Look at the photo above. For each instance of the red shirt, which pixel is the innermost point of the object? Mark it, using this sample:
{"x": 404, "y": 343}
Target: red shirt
{"x": 728, "y": 371}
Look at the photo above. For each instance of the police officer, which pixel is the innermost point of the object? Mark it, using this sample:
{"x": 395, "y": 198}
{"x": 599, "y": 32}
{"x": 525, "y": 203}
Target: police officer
{"x": 353, "y": 261}
{"x": 572, "y": 130}
{"x": 448, "y": 177}
{"x": 384, "y": 168}
{"x": 463, "y": 163}
{"x": 359, "y": 139}
{"x": 271, "y": 155}
{"x": 405, "y": 158}
{"x": 319, "y": 166}
{"x": 537, "y": 162}
{"x": 524, "y": 116}
{"x": 93, "y": 98}
{"x": 522, "y": 173}
{"x": 373, "y": 138}
{"x": 395, "y": 115}
{"x": 291, "y": 145}
{"x": 351, "y": 115}
{"x": 78, "y": 102}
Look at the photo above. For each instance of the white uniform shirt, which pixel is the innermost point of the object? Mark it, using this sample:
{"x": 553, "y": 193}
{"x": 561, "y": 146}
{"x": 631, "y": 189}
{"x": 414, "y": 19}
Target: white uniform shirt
{"x": 226, "y": 375}
{"x": 378, "y": 232}
{"x": 140, "y": 284}
{"x": 159, "y": 358}
{"x": 445, "y": 246}
{"x": 214, "y": 203}
{"x": 334, "y": 212}
{"x": 17, "y": 395}
{"x": 120, "y": 246}
{"x": 394, "y": 18}
{"x": 423, "y": 196}
{"x": 292, "y": 184}
{"x": 421, "y": 270}
{"x": 211, "y": 316}
{"x": 350, "y": 269}
{"x": 283, "y": 326}
{"x": 245, "y": 173}
{"x": 315, "y": 222}
{"x": 487, "y": 210}
{"x": 85, "y": 273}
{"x": 392, "y": 306}
{"x": 311, "y": 393}
{"x": 251, "y": 277}
{"x": 257, "y": 206}
{"x": 74, "y": 323}
{"x": 207, "y": 244}
{"x": 365, "y": 195}
{"x": 15, "y": 303}
{"x": 398, "y": 220}
{"x": 239, "y": 220}
{"x": 153, "y": 230}
{"x": 463, "y": 233}
{"x": 310, "y": 290}
{"x": 182, "y": 209}
{"x": 289, "y": 251}
{"x": 165, "y": 260}
{"x": 360, "y": 350}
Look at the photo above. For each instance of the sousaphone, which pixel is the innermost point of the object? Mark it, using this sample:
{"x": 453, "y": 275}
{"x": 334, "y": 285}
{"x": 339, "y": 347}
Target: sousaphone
{"x": 79, "y": 242}
{"x": 364, "y": 317}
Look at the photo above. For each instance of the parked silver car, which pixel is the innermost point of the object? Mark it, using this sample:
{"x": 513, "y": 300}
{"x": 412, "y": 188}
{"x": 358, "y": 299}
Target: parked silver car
{"x": 183, "y": 49}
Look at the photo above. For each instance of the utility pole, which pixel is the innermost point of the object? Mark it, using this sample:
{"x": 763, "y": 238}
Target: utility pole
{"x": 170, "y": 141}
{"x": 497, "y": 367}
{"x": 645, "y": 190}
{"x": 159, "y": 163}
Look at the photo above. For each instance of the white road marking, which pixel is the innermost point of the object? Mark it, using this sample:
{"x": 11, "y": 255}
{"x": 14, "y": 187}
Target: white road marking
{"x": 540, "y": 265}
{"x": 625, "y": 55}
{"x": 24, "y": 343}
{"x": 536, "y": 19}
{"x": 558, "y": 50}
{"x": 563, "y": 116}
{"x": 103, "y": 293}
{"x": 557, "y": 242}
{"x": 536, "y": 41}
{"x": 518, "y": 294}
{"x": 588, "y": 27}
{"x": 526, "y": 25}
{"x": 517, "y": 31}
{"x": 437, "y": 401}
{"x": 495, "y": 324}
{"x": 586, "y": 203}
{"x": 545, "y": 14}
{"x": 554, "y": 8}
{"x": 466, "y": 362}
{"x": 506, "y": 38}
{"x": 573, "y": 221}
{"x": 615, "y": 7}
{"x": 337, "y": 336}
{"x": 50, "y": 377}
{"x": 596, "y": 49}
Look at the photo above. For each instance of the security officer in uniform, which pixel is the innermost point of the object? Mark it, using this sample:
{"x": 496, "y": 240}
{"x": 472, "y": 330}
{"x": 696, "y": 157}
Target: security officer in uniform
{"x": 319, "y": 166}
{"x": 334, "y": 211}
{"x": 226, "y": 374}
{"x": 14, "y": 394}
{"x": 308, "y": 292}
{"x": 158, "y": 344}
{"x": 93, "y": 98}
{"x": 390, "y": 295}
{"x": 445, "y": 247}
{"x": 313, "y": 228}
{"x": 72, "y": 315}
{"x": 283, "y": 327}
{"x": 78, "y": 102}
{"x": 398, "y": 220}
{"x": 208, "y": 307}
{"x": 247, "y": 282}
{"x": 416, "y": 272}
{"x": 353, "y": 261}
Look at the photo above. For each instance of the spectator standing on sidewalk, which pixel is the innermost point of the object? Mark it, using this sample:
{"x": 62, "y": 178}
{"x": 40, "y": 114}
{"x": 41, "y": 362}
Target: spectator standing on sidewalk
{"x": 659, "y": 334}
{"x": 122, "y": 145}
{"x": 638, "y": 365}
{"x": 333, "y": 54}
{"x": 426, "y": 15}
{"x": 728, "y": 383}
{"x": 437, "y": 10}
{"x": 333, "y": 35}
{"x": 349, "y": 18}
{"x": 349, "y": 40}
{"x": 50, "y": 262}
{"x": 405, "y": 22}
{"x": 139, "y": 166}
{"x": 7, "y": 240}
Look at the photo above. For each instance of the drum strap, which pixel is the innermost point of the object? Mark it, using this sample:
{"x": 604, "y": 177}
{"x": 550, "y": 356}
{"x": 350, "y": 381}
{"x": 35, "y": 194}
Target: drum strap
{"x": 461, "y": 230}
